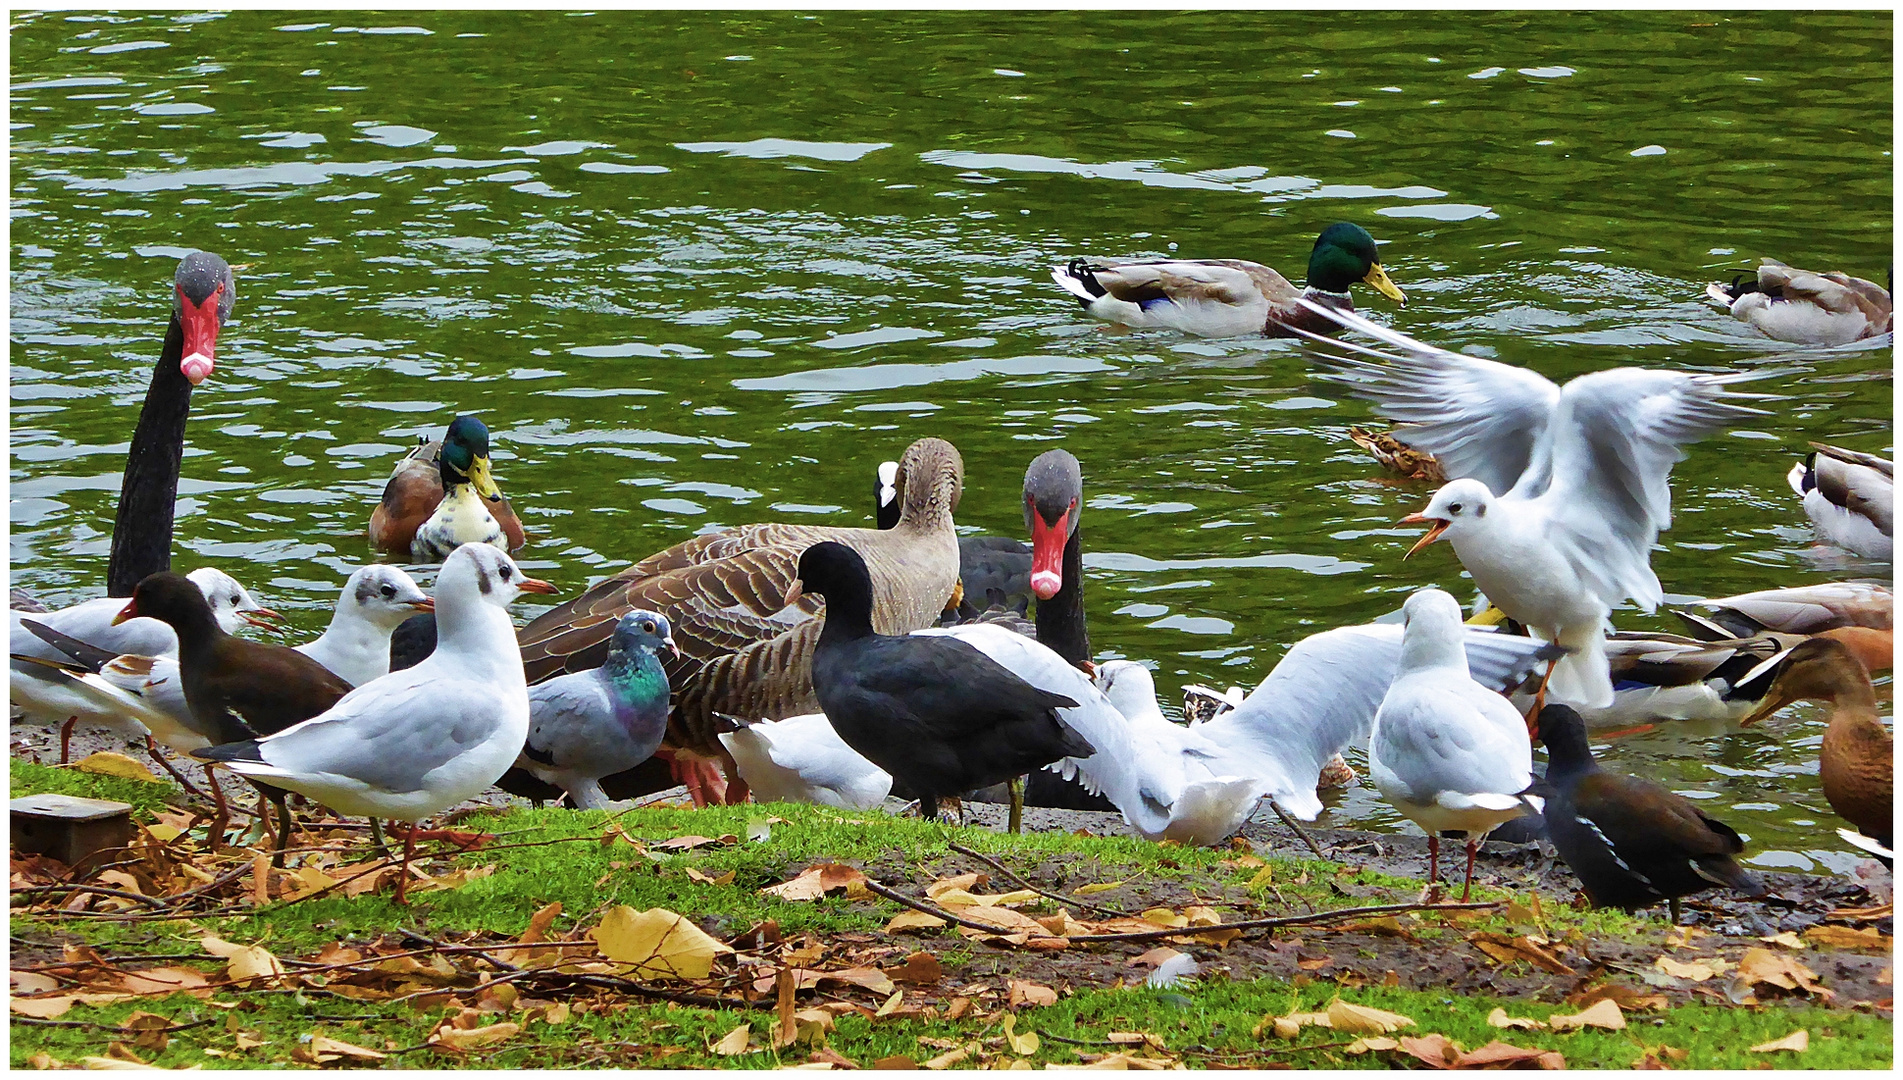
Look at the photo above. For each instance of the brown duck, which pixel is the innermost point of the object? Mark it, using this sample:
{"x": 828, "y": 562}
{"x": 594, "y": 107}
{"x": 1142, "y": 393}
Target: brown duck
{"x": 745, "y": 632}
{"x": 236, "y": 689}
{"x": 1399, "y": 456}
{"x": 1857, "y": 760}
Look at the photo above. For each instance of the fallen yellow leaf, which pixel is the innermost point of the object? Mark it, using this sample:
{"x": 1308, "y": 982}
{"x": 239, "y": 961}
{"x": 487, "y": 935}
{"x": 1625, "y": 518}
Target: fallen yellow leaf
{"x": 107, "y": 763}
{"x": 1094, "y": 889}
{"x": 913, "y": 920}
{"x": 1362, "y": 1020}
{"x": 734, "y": 1042}
{"x": 326, "y": 1049}
{"x": 1696, "y": 971}
{"x": 1025, "y": 1044}
{"x": 1785, "y": 938}
{"x": 45, "y": 1008}
{"x": 1796, "y": 1042}
{"x": 1843, "y": 937}
{"x": 473, "y": 1038}
{"x": 1603, "y": 1013}
{"x": 658, "y": 942}
{"x": 243, "y": 963}
{"x": 1499, "y": 1018}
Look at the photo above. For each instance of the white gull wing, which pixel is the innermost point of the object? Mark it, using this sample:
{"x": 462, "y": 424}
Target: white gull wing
{"x": 802, "y": 759}
{"x": 1479, "y": 418}
{"x": 1322, "y": 697}
{"x": 404, "y": 746}
{"x": 1615, "y": 436}
{"x": 91, "y": 622}
{"x": 1157, "y": 779}
{"x": 1449, "y": 753}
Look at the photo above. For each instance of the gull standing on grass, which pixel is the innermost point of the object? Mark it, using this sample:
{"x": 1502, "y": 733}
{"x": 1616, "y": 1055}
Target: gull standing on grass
{"x": 418, "y": 741}
{"x": 1559, "y": 492}
{"x": 1447, "y": 752}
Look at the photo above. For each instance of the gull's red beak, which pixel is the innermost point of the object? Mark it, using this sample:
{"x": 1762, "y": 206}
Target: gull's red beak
{"x": 527, "y": 584}
{"x": 1433, "y": 534}
{"x": 425, "y": 604}
{"x": 263, "y": 616}
{"x": 1047, "y": 552}
{"x": 200, "y": 323}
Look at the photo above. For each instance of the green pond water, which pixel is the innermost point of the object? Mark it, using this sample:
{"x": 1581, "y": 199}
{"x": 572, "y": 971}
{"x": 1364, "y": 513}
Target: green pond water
{"x": 697, "y": 270}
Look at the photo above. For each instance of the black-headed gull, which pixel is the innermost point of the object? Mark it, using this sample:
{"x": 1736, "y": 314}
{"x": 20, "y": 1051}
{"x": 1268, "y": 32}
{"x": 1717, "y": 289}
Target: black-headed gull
{"x": 1558, "y": 493}
{"x": 1447, "y": 752}
{"x": 589, "y": 724}
{"x": 44, "y": 693}
{"x": 375, "y": 601}
{"x": 417, "y": 741}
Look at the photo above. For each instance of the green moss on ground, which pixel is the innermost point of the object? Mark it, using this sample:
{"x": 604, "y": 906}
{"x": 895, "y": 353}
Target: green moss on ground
{"x": 1212, "y": 1023}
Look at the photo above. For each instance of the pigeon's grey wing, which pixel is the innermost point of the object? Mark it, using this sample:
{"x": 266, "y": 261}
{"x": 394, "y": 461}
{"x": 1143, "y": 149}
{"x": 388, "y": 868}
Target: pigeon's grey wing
{"x": 1479, "y": 418}
{"x": 1615, "y": 437}
{"x": 389, "y": 734}
{"x": 571, "y": 722}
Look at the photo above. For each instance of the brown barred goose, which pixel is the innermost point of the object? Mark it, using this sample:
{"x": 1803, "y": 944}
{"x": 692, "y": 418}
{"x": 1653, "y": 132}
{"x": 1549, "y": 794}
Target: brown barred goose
{"x": 745, "y": 632}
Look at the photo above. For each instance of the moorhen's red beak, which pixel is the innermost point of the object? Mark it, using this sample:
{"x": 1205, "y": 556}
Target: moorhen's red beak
{"x": 535, "y": 585}
{"x": 130, "y": 611}
{"x": 200, "y": 323}
{"x": 1047, "y": 552}
{"x": 263, "y": 616}
{"x": 1433, "y": 534}
{"x": 425, "y": 604}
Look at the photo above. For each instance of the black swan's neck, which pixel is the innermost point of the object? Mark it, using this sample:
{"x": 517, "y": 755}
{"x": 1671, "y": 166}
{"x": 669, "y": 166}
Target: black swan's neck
{"x": 1060, "y": 620}
{"x": 142, "y": 531}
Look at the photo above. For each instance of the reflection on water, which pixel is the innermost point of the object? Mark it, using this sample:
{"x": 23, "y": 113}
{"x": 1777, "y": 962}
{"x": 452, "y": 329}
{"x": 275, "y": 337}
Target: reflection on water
{"x": 710, "y": 269}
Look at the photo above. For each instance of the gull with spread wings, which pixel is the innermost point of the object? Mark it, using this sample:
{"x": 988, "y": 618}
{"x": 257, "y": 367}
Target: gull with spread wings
{"x": 1558, "y": 493}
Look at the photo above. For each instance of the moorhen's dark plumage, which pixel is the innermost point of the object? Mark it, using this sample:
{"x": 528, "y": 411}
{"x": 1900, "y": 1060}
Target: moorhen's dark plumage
{"x": 202, "y": 295}
{"x": 1630, "y": 842}
{"x": 928, "y": 709}
{"x": 236, "y": 689}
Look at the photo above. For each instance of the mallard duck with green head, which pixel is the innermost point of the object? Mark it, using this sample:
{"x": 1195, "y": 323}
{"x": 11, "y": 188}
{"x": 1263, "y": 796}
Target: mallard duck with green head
{"x": 444, "y": 495}
{"x": 1230, "y": 297}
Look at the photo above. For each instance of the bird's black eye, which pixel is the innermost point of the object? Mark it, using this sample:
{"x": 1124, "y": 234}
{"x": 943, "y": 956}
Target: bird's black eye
{"x": 647, "y": 628}
{"x": 505, "y": 573}
{"x": 389, "y": 590}
{"x": 1455, "y": 508}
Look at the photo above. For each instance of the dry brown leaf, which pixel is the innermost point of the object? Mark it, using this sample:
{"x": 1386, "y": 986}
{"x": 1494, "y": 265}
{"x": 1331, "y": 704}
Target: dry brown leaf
{"x": 1496, "y": 1055}
{"x": 1843, "y": 937}
{"x": 961, "y": 883}
{"x": 723, "y": 879}
{"x": 535, "y": 933}
{"x": 1434, "y": 1048}
{"x": 920, "y": 967}
{"x": 159, "y": 981}
{"x": 897, "y": 1062}
{"x": 1629, "y": 999}
{"x": 815, "y": 882}
{"x": 1796, "y": 1042}
{"x": 949, "y": 1058}
{"x": 324, "y": 1049}
{"x": 913, "y": 920}
{"x": 687, "y": 843}
{"x": 1602, "y": 1014}
{"x": 1696, "y": 971}
{"x": 1764, "y": 967}
{"x": 1783, "y": 937}
{"x": 1499, "y": 1018}
{"x": 94, "y": 1062}
{"x": 148, "y": 1030}
{"x": 1533, "y": 950}
{"x": 1025, "y": 993}
{"x": 107, "y": 763}
{"x": 1362, "y": 1020}
{"x": 1364, "y": 1045}
{"x": 734, "y": 1042}
{"x": 243, "y": 963}
{"x": 660, "y": 943}
{"x": 871, "y": 978}
{"x": 43, "y": 1008}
